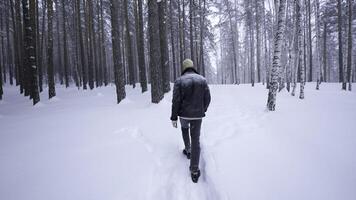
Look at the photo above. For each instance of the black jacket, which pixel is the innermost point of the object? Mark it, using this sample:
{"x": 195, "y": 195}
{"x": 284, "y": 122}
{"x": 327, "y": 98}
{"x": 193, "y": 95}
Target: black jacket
{"x": 191, "y": 96}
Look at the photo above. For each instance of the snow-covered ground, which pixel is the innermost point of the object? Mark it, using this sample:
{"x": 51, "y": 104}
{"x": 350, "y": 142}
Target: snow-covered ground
{"x": 81, "y": 145}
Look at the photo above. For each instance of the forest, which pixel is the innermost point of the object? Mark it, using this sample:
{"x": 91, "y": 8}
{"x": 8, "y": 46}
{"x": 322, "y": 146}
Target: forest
{"x": 93, "y": 43}
{"x": 177, "y": 99}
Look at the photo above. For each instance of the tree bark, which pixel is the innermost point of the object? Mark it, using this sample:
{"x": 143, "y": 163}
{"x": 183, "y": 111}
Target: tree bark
{"x": 118, "y": 68}
{"x": 129, "y": 52}
{"x": 341, "y": 63}
{"x": 271, "y": 102}
{"x": 349, "y": 47}
{"x": 155, "y": 54}
{"x": 50, "y": 71}
{"x": 162, "y": 15}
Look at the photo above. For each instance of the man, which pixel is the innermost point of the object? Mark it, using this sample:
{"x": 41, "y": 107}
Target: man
{"x": 191, "y": 98}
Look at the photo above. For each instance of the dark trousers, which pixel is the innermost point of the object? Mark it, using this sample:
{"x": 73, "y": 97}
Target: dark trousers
{"x": 192, "y": 143}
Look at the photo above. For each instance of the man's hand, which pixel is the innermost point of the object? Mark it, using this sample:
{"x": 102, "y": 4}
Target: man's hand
{"x": 174, "y": 123}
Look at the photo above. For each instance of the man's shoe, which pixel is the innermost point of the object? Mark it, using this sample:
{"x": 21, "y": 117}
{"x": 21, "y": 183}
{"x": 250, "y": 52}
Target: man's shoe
{"x": 195, "y": 175}
{"x": 187, "y": 153}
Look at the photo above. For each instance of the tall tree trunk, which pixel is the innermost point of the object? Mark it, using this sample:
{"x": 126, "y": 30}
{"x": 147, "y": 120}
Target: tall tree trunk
{"x": 20, "y": 45}
{"x": 155, "y": 54}
{"x": 59, "y": 67}
{"x": 103, "y": 46}
{"x": 271, "y": 102}
{"x": 318, "y": 46}
{"x": 129, "y": 52}
{"x": 300, "y": 49}
{"x": 325, "y": 78}
{"x": 50, "y": 71}
{"x": 191, "y": 30}
{"x": 10, "y": 60}
{"x": 65, "y": 48}
{"x": 181, "y": 33}
{"x": 26, "y": 69}
{"x": 81, "y": 46}
{"x": 185, "y": 55}
{"x": 341, "y": 63}
{"x": 1, "y": 56}
{"x": 349, "y": 47}
{"x": 15, "y": 43}
{"x": 32, "y": 53}
{"x": 174, "y": 65}
{"x": 162, "y": 15}
{"x": 310, "y": 44}
{"x": 258, "y": 40}
{"x": 118, "y": 68}
{"x": 90, "y": 33}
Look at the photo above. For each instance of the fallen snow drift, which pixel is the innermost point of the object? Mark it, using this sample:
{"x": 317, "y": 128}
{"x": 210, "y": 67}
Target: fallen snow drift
{"x": 81, "y": 145}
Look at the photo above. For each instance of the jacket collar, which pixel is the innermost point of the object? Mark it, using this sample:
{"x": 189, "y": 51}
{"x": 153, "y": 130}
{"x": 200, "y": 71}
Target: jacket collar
{"x": 190, "y": 70}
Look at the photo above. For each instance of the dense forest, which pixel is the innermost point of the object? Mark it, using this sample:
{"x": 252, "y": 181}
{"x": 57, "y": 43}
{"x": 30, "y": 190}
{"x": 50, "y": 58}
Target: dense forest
{"x": 95, "y": 43}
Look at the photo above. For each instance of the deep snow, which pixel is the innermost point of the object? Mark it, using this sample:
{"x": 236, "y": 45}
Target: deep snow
{"x": 81, "y": 145}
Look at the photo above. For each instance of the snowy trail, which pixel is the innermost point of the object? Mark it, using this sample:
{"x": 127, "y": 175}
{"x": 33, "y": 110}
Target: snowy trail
{"x": 82, "y": 146}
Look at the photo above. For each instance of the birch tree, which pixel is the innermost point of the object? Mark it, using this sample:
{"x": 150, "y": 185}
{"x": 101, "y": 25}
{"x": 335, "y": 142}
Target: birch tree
{"x": 300, "y": 48}
{"x": 278, "y": 39}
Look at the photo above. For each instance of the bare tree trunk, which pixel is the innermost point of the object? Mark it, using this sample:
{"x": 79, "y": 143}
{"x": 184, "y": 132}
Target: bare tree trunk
{"x": 162, "y": 14}
{"x": 103, "y": 46}
{"x": 81, "y": 46}
{"x": 50, "y": 71}
{"x": 271, "y": 102}
{"x": 341, "y": 63}
{"x": 20, "y": 45}
{"x": 129, "y": 52}
{"x": 310, "y": 45}
{"x": 349, "y": 48}
{"x": 141, "y": 49}
{"x": 325, "y": 78}
{"x": 65, "y": 48}
{"x": 10, "y": 60}
{"x": 300, "y": 49}
{"x": 174, "y": 65}
{"x": 318, "y": 46}
{"x": 118, "y": 68}
{"x": 191, "y": 30}
{"x": 258, "y": 40}
{"x": 155, "y": 53}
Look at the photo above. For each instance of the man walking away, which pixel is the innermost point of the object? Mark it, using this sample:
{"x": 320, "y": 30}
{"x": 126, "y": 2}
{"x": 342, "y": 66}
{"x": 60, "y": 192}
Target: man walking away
{"x": 191, "y": 98}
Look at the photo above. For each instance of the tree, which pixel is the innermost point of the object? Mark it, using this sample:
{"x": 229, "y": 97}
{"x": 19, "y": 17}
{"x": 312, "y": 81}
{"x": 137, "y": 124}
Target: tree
{"x": 81, "y": 46}
{"x": 65, "y": 48}
{"x": 300, "y": 48}
{"x": 318, "y": 45}
{"x": 50, "y": 70}
{"x": 310, "y": 44}
{"x": 155, "y": 53}
{"x": 9, "y": 46}
{"x": 103, "y": 50}
{"x": 130, "y": 56}
{"x": 29, "y": 14}
{"x": 1, "y": 55}
{"x": 90, "y": 42}
{"x": 278, "y": 39}
{"x": 349, "y": 46}
{"x": 341, "y": 63}
{"x": 258, "y": 40}
{"x": 118, "y": 67}
{"x": 162, "y": 15}
{"x": 173, "y": 45}
{"x": 141, "y": 49}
